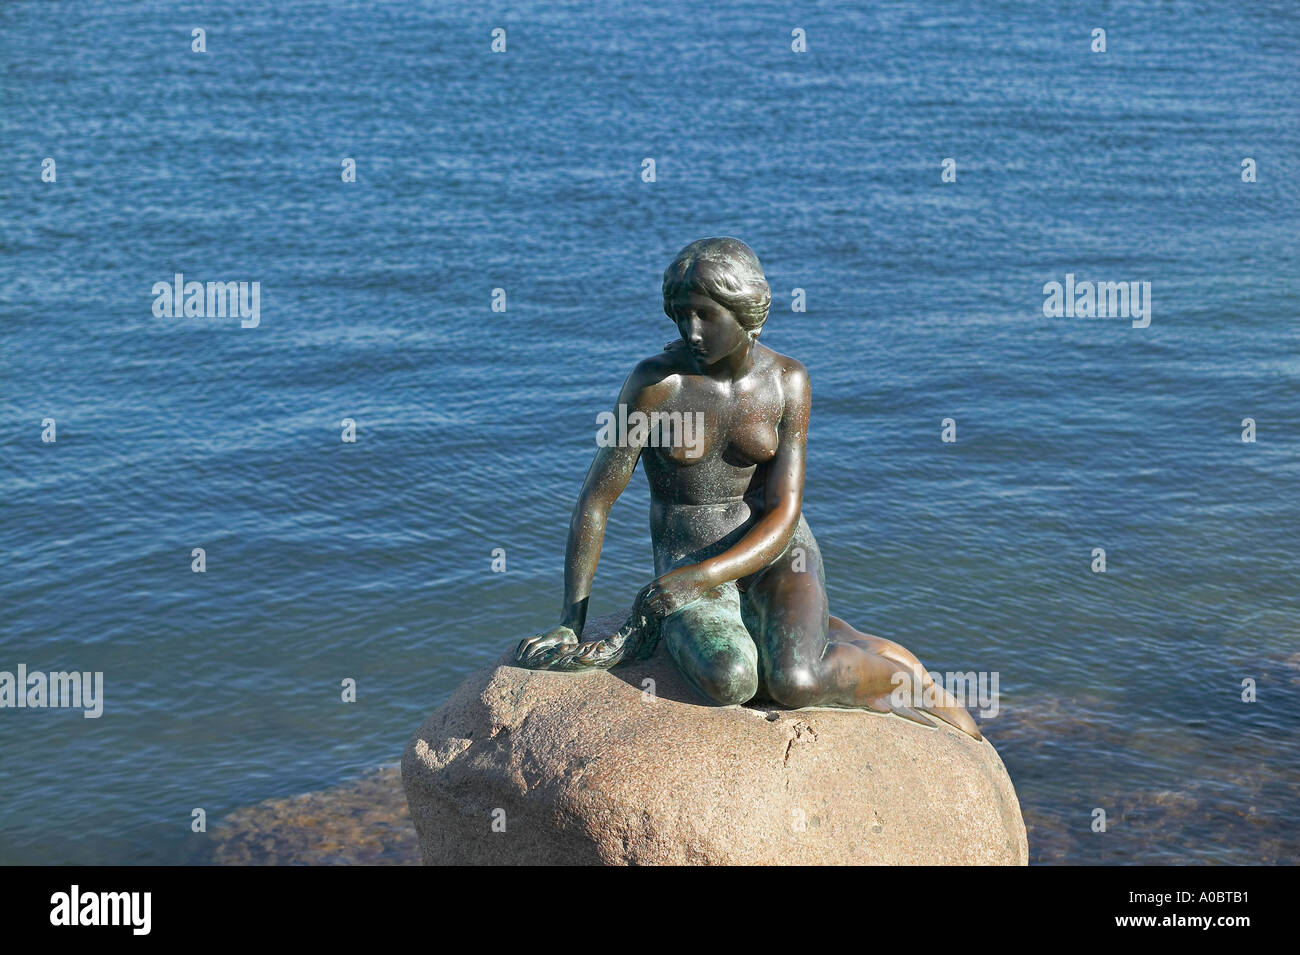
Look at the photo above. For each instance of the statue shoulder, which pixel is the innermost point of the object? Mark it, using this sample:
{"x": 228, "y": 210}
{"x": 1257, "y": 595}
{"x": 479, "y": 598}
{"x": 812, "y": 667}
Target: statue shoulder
{"x": 791, "y": 371}
{"x": 667, "y": 362}
{"x": 792, "y": 379}
{"x": 655, "y": 376}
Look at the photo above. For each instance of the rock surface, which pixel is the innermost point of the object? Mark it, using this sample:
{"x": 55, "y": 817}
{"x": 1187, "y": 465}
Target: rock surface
{"x": 532, "y": 767}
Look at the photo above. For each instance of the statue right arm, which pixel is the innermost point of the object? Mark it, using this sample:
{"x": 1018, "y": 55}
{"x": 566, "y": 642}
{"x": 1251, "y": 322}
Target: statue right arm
{"x": 609, "y": 473}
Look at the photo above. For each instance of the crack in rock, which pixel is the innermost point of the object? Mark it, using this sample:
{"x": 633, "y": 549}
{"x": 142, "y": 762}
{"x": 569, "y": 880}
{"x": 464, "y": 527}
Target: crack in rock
{"x": 800, "y": 730}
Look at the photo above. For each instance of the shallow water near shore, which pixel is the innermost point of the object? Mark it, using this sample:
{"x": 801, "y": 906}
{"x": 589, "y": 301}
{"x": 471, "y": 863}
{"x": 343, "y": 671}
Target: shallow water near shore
{"x": 361, "y": 822}
{"x": 373, "y": 561}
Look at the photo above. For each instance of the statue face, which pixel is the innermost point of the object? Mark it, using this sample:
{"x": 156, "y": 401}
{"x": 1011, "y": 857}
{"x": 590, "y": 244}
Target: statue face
{"x": 710, "y": 330}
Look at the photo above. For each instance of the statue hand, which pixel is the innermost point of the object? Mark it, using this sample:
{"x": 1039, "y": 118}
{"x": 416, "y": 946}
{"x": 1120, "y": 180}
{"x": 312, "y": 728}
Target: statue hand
{"x": 592, "y": 653}
{"x": 561, "y": 636}
{"x": 671, "y": 592}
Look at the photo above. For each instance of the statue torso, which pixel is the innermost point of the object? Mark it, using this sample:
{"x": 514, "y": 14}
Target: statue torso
{"x": 707, "y": 486}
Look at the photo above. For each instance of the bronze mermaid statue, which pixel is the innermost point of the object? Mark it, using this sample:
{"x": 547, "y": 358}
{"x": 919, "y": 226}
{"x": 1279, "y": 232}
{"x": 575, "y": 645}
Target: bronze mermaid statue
{"x": 739, "y": 599}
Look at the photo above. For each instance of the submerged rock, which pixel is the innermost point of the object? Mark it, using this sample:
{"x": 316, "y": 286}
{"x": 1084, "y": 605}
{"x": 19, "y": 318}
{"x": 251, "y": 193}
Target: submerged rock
{"x": 630, "y": 766}
{"x": 361, "y": 822}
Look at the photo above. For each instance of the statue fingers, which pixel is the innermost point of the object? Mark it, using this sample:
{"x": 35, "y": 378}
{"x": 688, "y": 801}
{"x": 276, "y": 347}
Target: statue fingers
{"x": 531, "y": 646}
{"x": 661, "y": 603}
{"x": 528, "y": 646}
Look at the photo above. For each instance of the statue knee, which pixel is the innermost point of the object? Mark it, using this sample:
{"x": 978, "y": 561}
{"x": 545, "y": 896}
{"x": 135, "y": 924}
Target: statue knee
{"x": 730, "y": 679}
{"x": 795, "y": 687}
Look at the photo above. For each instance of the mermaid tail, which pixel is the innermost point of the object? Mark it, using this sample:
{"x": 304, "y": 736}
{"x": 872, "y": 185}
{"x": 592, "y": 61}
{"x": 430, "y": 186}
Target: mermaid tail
{"x": 931, "y": 700}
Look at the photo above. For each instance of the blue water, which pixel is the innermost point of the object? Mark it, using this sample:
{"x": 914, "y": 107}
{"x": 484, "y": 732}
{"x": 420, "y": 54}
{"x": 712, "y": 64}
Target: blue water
{"x": 522, "y": 170}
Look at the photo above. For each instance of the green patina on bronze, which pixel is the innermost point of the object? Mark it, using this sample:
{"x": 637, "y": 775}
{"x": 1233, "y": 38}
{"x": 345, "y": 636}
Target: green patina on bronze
{"x": 740, "y": 596}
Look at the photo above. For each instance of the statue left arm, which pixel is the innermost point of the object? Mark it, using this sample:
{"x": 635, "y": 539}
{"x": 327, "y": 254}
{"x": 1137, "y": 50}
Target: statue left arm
{"x": 765, "y": 541}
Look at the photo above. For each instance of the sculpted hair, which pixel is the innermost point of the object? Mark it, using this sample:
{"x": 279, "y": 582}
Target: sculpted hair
{"x": 727, "y": 271}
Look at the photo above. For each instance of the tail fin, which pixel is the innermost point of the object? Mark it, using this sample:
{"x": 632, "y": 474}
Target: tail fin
{"x": 933, "y": 701}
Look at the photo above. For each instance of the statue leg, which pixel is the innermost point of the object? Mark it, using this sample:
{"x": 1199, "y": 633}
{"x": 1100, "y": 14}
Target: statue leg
{"x": 710, "y": 645}
{"x": 805, "y": 660}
